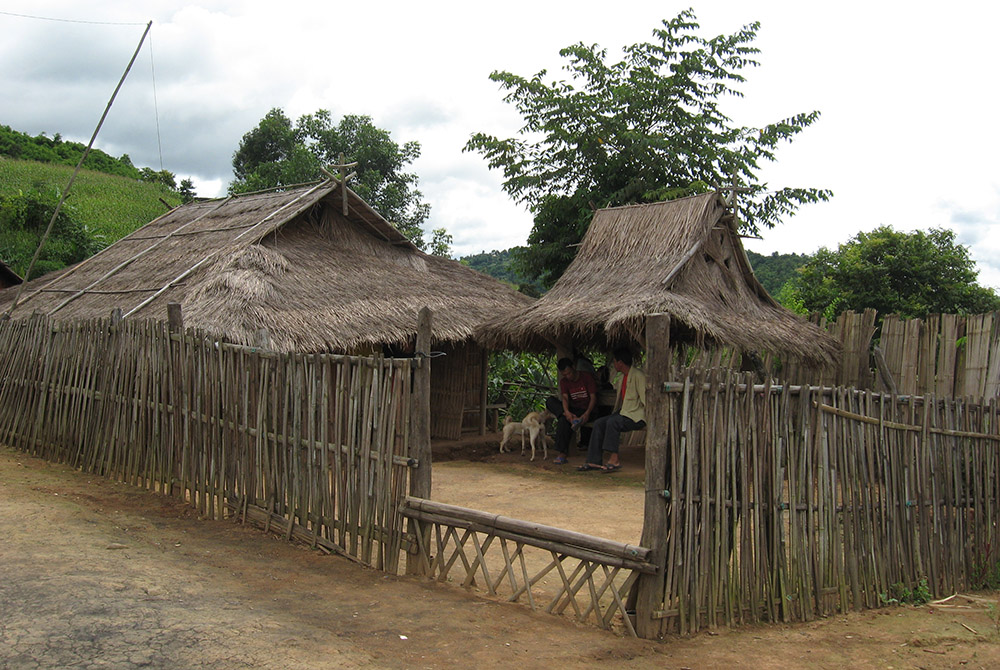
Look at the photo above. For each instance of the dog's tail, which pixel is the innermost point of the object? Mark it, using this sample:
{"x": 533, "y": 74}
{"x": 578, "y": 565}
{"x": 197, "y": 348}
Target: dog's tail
{"x": 507, "y": 419}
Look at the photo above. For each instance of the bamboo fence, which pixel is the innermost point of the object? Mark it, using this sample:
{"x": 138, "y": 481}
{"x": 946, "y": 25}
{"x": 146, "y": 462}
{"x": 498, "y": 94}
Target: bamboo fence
{"x": 311, "y": 446}
{"x": 787, "y": 503}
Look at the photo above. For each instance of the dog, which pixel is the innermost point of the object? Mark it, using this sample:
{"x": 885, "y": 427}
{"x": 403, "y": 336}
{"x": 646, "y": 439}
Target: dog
{"x": 532, "y": 426}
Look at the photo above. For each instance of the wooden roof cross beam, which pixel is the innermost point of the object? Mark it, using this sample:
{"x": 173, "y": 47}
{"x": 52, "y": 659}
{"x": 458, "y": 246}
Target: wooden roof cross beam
{"x": 342, "y": 167}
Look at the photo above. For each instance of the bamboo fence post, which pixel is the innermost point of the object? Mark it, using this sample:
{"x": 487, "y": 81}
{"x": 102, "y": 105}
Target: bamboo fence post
{"x": 650, "y": 592}
{"x": 420, "y": 436}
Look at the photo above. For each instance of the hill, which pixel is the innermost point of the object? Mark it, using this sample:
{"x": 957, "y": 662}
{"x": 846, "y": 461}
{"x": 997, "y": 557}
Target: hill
{"x": 109, "y": 205}
{"x": 498, "y": 264}
{"x": 774, "y": 270}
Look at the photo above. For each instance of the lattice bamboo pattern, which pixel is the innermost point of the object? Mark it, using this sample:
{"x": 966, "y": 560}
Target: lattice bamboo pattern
{"x": 591, "y": 576}
{"x": 787, "y": 503}
{"x": 312, "y": 446}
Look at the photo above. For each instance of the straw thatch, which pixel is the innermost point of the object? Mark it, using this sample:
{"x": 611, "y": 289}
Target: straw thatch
{"x": 7, "y": 276}
{"x": 683, "y": 258}
{"x": 288, "y": 261}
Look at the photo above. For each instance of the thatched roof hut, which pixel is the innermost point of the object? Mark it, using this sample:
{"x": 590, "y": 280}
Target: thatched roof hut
{"x": 7, "y": 276}
{"x": 287, "y": 261}
{"x": 682, "y": 257}
{"x": 292, "y": 263}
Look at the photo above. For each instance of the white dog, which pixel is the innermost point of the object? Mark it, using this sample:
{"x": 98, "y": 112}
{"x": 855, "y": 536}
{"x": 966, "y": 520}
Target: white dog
{"x": 532, "y": 426}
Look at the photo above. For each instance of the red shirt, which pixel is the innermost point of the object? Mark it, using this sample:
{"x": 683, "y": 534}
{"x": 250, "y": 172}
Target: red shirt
{"x": 579, "y": 392}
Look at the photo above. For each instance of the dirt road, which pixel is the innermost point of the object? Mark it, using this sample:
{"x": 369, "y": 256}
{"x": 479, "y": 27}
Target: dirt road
{"x": 95, "y": 574}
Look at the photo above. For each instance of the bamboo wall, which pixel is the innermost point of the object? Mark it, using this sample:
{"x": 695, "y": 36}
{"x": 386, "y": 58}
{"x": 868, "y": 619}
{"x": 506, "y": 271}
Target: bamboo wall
{"x": 787, "y": 503}
{"x": 944, "y": 354}
{"x": 312, "y": 446}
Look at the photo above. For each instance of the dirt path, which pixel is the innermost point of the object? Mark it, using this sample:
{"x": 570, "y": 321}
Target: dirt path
{"x": 95, "y": 574}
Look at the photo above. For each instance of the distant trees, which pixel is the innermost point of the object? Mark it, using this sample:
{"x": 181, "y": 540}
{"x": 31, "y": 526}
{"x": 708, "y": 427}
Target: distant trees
{"x": 910, "y": 274}
{"x": 500, "y": 265}
{"x": 280, "y": 153}
{"x": 24, "y": 218}
{"x": 643, "y": 129}
{"x": 775, "y": 270}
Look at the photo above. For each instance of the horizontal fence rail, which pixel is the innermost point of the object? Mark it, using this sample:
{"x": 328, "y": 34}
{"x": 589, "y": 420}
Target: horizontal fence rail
{"x": 312, "y": 446}
{"x": 548, "y": 568}
{"x": 790, "y": 502}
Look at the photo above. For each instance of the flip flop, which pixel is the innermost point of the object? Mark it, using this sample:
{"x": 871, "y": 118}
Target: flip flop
{"x": 611, "y": 467}
{"x": 560, "y": 460}
{"x": 587, "y": 467}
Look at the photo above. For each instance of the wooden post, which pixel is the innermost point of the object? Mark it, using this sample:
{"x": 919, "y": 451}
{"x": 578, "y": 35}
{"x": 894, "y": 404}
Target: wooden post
{"x": 484, "y": 369}
{"x": 263, "y": 339}
{"x": 654, "y": 525}
{"x": 175, "y": 317}
{"x": 420, "y": 433}
{"x": 116, "y": 316}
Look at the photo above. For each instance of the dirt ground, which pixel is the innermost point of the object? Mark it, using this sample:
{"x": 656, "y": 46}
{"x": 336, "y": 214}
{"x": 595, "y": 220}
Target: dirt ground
{"x": 97, "y": 574}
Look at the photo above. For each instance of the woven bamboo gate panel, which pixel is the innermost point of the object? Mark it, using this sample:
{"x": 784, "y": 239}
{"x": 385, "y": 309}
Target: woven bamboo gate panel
{"x": 312, "y": 446}
{"x": 791, "y": 503}
{"x": 547, "y": 568}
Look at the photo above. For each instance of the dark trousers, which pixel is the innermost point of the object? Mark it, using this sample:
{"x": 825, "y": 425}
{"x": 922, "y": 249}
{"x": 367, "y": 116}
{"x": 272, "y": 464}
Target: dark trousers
{"x": 607, "y": 435}
{"x": 564, "y": 429}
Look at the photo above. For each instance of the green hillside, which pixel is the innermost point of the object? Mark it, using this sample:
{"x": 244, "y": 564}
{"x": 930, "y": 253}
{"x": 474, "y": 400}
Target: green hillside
{"x": 774, "y": 270}
{"x": 108, "y": 205}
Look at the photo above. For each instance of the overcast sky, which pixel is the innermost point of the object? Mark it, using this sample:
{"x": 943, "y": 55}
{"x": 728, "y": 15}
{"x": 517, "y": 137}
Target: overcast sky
{"x": 907, "y": 91}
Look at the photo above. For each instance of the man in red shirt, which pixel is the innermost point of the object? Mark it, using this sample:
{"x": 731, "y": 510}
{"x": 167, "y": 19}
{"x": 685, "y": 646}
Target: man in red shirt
{"x": 578, "y": 393}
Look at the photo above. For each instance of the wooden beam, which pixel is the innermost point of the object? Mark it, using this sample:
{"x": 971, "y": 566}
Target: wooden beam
{"x": 650, "y": 587}
{"x": 420, "y": 430}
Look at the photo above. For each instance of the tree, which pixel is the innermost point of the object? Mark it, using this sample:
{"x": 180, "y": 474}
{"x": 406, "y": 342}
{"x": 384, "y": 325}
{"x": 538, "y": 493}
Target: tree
{"x": 910, "y": 274}
{"x": 187, "y": 191}
{"x": 278, "y": 153}
{"x": 441, "y": 242}
{"x": 644, "y": 129}
{"x": 23, "y": 220}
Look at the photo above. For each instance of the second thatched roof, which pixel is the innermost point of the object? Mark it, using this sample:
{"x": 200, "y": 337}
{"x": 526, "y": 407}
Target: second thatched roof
{"x": 290, "y": 262}
{"x": 681, "y": 257}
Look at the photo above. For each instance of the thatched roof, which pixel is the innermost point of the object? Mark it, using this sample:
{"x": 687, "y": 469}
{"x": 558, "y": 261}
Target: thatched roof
{"x": 681, "y": 257}
{"x": 287, "y": 261}
{"x": 7, "y": 276}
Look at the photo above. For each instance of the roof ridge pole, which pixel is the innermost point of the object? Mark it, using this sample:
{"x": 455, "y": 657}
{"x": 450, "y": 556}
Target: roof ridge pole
{"x": 86, "y": 152}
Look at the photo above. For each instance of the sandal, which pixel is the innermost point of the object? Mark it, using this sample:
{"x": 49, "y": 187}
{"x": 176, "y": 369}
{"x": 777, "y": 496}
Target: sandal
{"x": 612, "y": 467}
{"x": 560, "y": 460}
{"x": 587, "y": 467}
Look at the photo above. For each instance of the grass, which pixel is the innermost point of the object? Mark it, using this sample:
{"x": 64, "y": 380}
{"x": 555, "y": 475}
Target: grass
{"x": 109, "y": 205}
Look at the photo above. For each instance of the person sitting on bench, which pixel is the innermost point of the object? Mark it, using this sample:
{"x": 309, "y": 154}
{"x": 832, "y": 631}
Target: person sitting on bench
{"x": 573, "y": 408}
{"x": 630, "y": 414}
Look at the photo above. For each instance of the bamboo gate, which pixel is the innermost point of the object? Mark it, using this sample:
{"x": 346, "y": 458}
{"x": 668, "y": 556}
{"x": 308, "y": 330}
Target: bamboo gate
{"x": 311, "y": 446}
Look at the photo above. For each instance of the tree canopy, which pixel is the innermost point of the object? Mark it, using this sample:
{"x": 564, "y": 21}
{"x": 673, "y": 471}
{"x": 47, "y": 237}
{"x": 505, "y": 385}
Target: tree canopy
{"x": 910, "y": 274}
{"x": 643, "y": 129}
{"x": 279, "y": 153}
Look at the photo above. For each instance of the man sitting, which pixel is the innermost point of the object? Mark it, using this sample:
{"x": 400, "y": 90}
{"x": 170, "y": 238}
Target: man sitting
{"x": 630, "y": 414}
{"x": 578, "y": 396}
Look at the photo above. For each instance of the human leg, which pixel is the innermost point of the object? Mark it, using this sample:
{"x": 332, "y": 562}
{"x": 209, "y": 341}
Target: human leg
{"x": 595, "y": 448}
{"x": 563, "y": 433}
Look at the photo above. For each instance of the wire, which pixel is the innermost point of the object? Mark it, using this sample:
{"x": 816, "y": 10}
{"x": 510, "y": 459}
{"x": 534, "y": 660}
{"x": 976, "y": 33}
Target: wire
{"x": 156, "y": 108}
{"x": 49, "y": 18}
